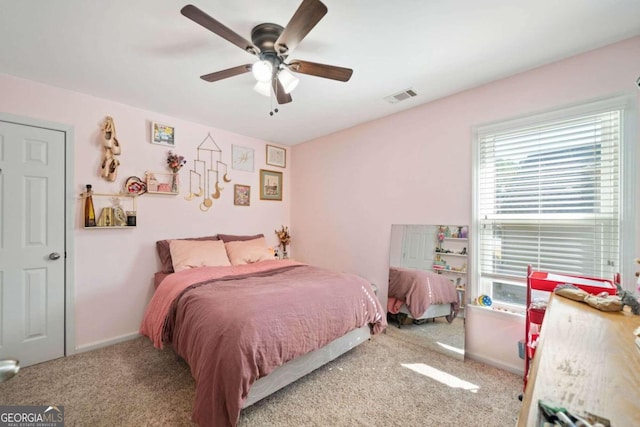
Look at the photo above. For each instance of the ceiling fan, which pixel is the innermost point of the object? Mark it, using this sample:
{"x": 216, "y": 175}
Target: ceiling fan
{"x": 272, "y": 44}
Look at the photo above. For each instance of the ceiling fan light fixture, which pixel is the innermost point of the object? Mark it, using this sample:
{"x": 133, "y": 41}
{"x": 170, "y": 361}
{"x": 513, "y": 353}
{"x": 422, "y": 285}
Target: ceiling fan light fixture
{"x": 262, "y": 70}
{"x": 263, "y": 88}
{"x": 272, "y": 44}
{"x": 288, "y": 80}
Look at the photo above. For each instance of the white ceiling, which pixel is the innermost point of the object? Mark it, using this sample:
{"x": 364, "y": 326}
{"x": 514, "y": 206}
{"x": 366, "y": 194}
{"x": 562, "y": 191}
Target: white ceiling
{"x": 144, "y": 53}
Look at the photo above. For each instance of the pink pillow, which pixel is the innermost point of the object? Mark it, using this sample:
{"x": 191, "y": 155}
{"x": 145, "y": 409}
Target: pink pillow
{"x": 187, "y": 254}
{"x": 162, "y": 246}
{"x": 248, "y": 251}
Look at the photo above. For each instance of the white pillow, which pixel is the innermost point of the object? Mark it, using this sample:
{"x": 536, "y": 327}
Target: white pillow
{"x": 248, "y": 251}
{"x": 187, "y": 254}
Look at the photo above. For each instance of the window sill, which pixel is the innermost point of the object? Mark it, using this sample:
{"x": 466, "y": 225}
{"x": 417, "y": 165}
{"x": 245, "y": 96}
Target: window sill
{"x": 498, "y": 311}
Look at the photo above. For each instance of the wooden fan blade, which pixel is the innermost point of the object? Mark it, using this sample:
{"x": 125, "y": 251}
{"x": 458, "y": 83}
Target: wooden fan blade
{"x": 200, "y": 17}
{"x": 321, "y": 70}
{"x": 309, "y": 13}
{"x": 281, "y": 96}
{"x": 230, "y": 72}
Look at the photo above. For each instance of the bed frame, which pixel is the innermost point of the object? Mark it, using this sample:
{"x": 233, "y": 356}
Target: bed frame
{"x": 303, "y": 365}
{"x": 434, "y": 310}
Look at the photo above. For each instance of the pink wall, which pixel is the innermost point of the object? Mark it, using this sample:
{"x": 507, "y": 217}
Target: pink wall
{"x": 416, "y": 167}
{"x": 114, "y": 268}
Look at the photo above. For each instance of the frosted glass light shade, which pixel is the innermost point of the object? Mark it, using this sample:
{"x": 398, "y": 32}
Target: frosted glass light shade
{"x": 288, "y": 80}
{"x": 262, "y": 71}
{"x": 263, "y": 88}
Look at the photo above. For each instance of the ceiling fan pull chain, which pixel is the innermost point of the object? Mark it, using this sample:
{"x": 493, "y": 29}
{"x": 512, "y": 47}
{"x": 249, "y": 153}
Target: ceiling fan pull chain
{"x": 275, "y": 76}
{"x": 271, "y": 103}
{"x": 273, "y": 110}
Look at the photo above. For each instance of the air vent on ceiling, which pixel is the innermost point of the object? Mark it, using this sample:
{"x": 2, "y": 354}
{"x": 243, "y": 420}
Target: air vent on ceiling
{"x": 400, "y": 96}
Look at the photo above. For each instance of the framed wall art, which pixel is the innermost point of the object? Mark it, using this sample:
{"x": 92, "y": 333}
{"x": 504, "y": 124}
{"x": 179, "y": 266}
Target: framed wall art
{"x": 242, "y": 158}
{"x": 241, "y": 195}
{"x": 276, "y": 156}
{"x": 163, "y": 134}
{"x": 270, "y": 185}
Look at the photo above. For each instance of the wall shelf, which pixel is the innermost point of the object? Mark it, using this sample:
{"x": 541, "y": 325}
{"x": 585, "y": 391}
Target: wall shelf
{"x": 134, "y": 207}
{"x": 444, "y": 270}
{"x": 162, "y": 183}
{"x": 451, "y": 256}
{"x": 110, "y": 227}
{"x": 166, "y": 193}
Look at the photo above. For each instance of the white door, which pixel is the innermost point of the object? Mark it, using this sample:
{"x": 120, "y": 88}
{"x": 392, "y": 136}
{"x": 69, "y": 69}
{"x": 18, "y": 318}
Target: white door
{"x": 418, "y": 247}
{"x": 32, "y": 243}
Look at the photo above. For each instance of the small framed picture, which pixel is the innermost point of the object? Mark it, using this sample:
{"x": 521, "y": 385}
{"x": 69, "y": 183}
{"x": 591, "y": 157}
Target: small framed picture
{"x": 276, "y": 156}
{"x": 163, "y": 134}
{"x": 242, "y": 158}
{"x": 241, "y": 195}
{"x": 270, "y": 185}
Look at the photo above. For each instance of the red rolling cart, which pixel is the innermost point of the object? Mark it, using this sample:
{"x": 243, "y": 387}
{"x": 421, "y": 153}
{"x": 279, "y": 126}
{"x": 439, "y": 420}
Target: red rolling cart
{"x": 547, "y": 281}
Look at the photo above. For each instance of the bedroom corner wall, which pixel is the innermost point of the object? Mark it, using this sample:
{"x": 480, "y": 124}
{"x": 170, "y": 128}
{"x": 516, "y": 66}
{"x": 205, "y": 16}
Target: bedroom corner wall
{"x": 415, "y": 167}
{"x": 114, "y": 268}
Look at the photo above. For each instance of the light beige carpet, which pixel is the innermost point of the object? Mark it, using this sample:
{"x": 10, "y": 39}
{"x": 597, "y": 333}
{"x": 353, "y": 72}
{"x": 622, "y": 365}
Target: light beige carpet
{"x": 133, "y": 384}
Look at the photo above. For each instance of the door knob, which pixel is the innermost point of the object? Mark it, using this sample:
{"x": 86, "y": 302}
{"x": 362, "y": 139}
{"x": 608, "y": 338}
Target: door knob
{"x": 54, "y": 255}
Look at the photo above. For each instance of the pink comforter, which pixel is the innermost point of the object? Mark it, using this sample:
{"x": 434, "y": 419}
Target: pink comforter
{"x": 418, "y": 289}
{"x": 242, "y": 324}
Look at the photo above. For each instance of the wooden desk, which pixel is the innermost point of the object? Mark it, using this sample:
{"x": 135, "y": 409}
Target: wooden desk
{"x": 586, "y": 360}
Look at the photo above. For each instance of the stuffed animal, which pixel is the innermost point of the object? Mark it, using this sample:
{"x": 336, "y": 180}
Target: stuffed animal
{"x": 629, "y": 299}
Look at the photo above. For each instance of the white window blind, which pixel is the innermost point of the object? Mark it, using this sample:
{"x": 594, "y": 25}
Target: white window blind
{"x": 549, "y": 196}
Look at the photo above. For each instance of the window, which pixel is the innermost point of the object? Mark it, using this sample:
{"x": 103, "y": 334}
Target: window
{"x": 548, "y": 192}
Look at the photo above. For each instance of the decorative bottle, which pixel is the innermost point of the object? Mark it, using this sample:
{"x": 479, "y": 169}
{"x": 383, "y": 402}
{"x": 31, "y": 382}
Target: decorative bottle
{"x": 89, "y": 212}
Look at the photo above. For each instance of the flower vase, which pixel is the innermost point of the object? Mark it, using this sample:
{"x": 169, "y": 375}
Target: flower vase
{"x": 285, "y": 254}
{"x": 175, "y": 182}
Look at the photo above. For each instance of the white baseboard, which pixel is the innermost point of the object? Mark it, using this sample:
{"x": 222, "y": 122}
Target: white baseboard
{"x": 518, "y": 370}
{"x": 104, "y": 343}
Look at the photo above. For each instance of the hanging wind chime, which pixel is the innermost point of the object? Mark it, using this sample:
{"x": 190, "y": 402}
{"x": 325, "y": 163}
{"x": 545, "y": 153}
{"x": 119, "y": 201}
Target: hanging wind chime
{"x": 208, "y": 169}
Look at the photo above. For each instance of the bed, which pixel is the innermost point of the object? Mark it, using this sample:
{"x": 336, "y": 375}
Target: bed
{"x": 420, "y": 295}
{"x": 247, "y": 329}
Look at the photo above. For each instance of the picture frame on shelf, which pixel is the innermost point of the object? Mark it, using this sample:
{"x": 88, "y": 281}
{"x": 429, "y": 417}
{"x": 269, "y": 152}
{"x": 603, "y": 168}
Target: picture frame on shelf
{"x": 242, "y": 158}
{"x": 241, "y": 195}
{"x": 163, "y": 134}
{"x": 270, "y": 185}
{"x": 276, "y": 156}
